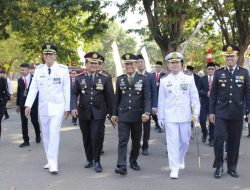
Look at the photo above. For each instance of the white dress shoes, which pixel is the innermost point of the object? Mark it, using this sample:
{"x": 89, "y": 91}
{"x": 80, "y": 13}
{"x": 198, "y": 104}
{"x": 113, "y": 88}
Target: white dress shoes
{"x": 174, "y": 174}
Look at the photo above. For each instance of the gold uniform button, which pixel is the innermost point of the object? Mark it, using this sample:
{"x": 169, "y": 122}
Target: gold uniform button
{"x": 230, "y": 101}
{"x": 129, "y": 94}
{"x": 231, "y": 94}
{"x": 129, "y": 107}
{"x": 129, "y": 88}
{"x": 129, "y": 101}
{"x": 91, "y": 103}
{"x": 231, "y": 87}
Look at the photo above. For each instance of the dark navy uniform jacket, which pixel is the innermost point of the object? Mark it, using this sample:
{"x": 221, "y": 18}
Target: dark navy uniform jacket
{"x": 228, "y": 93}
{"x": 131, "y": 101}
{"x": 96, "y": 99}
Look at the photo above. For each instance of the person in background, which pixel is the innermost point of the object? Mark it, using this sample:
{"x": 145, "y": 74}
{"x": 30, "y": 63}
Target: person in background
{"x": 4, "y": 96}
{"x": 73, "y": 74}
{"x": 204, "y": 89}
{"x": 23, "y": 86}
{"x": 158, "y": 74}
{"x": 141, "y": 67}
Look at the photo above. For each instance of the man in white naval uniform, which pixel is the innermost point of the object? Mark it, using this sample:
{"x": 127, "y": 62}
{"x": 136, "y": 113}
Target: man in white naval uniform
{"x": 52, "y": 81}
{"x": 178, "y": 100}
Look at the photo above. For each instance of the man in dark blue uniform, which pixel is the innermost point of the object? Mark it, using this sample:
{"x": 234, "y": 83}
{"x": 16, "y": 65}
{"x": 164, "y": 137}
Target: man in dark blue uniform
{"x": 132, "y": 106}
{"x": 141, "y": 67}
{"x": 96, "y": 95}
{"x": 204, "y": 89}
{"x": 230, "y": 88}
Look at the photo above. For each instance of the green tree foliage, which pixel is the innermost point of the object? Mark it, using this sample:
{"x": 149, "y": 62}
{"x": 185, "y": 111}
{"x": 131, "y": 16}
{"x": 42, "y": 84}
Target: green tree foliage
{"x": 232, "y": 16}
{"x": 63, "y": 22}
{"x": 102, "y": 44}
{"x": 166, "y": 19}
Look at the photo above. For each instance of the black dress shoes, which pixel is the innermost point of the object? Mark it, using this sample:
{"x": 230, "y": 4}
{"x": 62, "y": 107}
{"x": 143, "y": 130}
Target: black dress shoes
{"x": 211, "y": 143}
{"x": 204, "y": 139}
{"x": 233, "y": 173}
{"x": 98, "y": 167}
{"x": 122, "y": 170}
{"x": 218, "y": 172}
{"x": 145, "y": 152}
{"x": 38, "y": 139}
{"x": 135, "y": 166}
{"x": 88, "y": 164}
{"x": 159, "y": 130}
{"x": 24, "y": 144}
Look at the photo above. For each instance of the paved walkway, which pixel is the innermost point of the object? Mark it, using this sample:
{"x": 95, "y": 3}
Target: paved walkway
{"x": 21, "y": 169}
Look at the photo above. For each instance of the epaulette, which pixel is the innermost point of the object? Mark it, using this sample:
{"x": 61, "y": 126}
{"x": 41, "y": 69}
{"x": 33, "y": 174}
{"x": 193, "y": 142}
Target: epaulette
{"x": 63, "y": 66}
{"x": 103, "y": 74}
{"x": 39, "y": 66}
{"x": 121, "y": 75}
{"x": 80, "y": 74}
{"x": 221, "y": 68}
{"x": 163, "y": 76}
{"x": 141, "y": 74}
{"x": 242, "y": 68}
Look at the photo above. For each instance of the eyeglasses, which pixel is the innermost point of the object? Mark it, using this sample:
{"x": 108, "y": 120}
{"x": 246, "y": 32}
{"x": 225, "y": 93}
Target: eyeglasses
{"x": 210, "y": 68}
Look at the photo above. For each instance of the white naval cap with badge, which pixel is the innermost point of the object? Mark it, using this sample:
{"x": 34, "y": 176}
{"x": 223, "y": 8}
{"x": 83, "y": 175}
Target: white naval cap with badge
{"x": 174, "y": 57}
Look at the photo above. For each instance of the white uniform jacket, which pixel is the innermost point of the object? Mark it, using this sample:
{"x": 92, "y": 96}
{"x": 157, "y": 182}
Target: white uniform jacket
{"x": 54, "y": 90}
{"x": 178, "y": 95}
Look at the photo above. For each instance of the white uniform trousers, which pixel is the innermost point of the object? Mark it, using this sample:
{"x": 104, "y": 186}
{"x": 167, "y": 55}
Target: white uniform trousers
{"x": 177, "y": 137}
{"x": 51, "y": 136}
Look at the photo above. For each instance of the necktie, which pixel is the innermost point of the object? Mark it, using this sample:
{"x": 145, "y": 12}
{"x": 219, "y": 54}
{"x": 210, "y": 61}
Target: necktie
{"x": 49, "y": 70}
{"x": 73, "y": 81}
{"x": 25, "y": 82}
{"x": 156, "y": 76}
{"x": 129, "y": 79}
{"x": 231, "y": 71}
{"x": 209, "y": 83}
{"x": 91, "y": 78}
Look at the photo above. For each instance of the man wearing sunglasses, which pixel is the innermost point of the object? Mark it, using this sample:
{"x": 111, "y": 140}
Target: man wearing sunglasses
{"x": 96, "y": 97}
{"x": 204, "y": 89}
{"x": 132, "y": 107}
{"x": 52, "y": 81}
{"x": 230, "y": 89}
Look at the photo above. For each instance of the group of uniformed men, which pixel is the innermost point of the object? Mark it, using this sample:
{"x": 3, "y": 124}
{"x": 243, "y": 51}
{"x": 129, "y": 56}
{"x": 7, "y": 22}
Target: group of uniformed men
{"x": 224, "y": 95}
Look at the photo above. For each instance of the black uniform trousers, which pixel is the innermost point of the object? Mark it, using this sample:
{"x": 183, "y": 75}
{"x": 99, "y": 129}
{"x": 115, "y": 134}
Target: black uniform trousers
{"x": 124, "y": 129}
{"x": 155, "y": 118}
{"x": 1, "y": 117}
{"x": 34, "y": 121}
{"x": 203, "y": 120}
{"x": 146, "y": 134}
{"x": 92, "y": 132}
{"x": 231, "y": 131}
{"x": 103, "y": 134}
